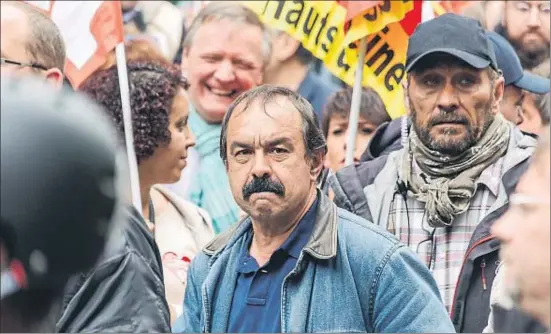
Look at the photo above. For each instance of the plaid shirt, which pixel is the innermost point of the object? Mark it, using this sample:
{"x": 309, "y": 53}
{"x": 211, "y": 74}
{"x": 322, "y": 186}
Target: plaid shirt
{"x": 443, "y": 249}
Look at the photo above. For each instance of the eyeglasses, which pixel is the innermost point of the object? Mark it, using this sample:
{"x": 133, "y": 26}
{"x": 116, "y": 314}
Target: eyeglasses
{"x": 16, "y": 63}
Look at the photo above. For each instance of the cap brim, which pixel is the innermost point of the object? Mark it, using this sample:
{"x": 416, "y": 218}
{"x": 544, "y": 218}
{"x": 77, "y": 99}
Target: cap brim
{"x": 533, "y": 83}
{"x": 474, "y": 61}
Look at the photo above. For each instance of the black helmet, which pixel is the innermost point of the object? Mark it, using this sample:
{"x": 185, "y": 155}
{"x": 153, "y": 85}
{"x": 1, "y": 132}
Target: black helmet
{"x": 59, "y": 180}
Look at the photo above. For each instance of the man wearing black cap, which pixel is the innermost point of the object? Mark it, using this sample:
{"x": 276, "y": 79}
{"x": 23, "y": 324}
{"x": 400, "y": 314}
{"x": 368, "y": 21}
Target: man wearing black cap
{"x": 442, "y": 191}
{"x": 517, "y": 81}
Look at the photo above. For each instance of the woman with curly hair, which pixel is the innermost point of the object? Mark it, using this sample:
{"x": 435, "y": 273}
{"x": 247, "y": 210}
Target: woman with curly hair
{"x": 161, "y": 141}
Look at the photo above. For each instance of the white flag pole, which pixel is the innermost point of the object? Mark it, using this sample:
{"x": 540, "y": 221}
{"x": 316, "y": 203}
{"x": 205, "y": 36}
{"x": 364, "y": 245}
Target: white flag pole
{"x": 355, "y": 105}
{"x": 128, "y": 129}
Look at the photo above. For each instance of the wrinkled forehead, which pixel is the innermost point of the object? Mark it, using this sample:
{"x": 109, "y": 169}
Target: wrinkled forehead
{"x": 265, "y": 118}
{"x": 442, "y": 61}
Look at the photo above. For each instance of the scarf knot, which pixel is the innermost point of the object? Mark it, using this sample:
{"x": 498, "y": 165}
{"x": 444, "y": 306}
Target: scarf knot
{"x": 452, "y": 179}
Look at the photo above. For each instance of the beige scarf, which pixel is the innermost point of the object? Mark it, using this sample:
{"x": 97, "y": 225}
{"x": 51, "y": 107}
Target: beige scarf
{"x": 451, "y": 181}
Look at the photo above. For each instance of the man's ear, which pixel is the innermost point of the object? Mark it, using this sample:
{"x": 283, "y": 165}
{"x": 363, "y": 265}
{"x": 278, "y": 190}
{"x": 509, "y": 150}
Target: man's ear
{"x": 55, "y": 77}
{"x": 285, "y": 47}
{"x": 316, "y": 165}
{"x": 499, "y": 89}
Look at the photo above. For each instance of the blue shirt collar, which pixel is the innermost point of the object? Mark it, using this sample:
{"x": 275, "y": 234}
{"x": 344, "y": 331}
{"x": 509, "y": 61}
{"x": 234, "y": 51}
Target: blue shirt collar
{"x": 302, "y": 233}
{"x": 292, "y": 246}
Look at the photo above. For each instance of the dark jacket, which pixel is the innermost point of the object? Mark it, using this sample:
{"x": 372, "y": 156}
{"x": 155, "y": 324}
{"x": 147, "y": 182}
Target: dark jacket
{"x": 125, "y": 291}
{"x": 353, "y": 185}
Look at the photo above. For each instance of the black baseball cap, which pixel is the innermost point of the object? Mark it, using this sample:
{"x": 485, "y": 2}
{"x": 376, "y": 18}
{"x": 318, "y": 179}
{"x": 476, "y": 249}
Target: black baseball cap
{"x": 453, "y": 34}
{"x": 509, "y": 63}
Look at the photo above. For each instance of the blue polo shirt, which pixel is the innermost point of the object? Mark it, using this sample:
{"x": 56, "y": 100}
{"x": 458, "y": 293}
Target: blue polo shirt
{"x": 256, "y": 304}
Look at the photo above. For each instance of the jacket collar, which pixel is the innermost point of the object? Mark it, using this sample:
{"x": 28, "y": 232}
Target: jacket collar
{"x": 321, "y": 245}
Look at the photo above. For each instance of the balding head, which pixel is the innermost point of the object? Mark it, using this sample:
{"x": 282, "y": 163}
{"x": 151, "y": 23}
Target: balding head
{"x": 30, "y": 37}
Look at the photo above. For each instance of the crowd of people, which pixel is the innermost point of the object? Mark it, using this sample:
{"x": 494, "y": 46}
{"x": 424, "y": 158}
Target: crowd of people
{"x": 249, "y": 219}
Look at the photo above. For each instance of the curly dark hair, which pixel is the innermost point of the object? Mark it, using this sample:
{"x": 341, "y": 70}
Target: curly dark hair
{"x": 153, "y": 86}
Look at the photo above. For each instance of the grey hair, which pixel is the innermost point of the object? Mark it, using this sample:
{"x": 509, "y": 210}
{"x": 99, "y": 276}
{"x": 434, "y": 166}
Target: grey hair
{"x": 44, "y": 44}
{"x": 234, "y": 12}
{"x": 314, "y": 141}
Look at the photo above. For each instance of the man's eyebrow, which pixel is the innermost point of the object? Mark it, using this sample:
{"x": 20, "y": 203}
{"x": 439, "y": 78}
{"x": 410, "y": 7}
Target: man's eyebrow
{"x": 237, "y": 144}
{"x": 279, "y": 141}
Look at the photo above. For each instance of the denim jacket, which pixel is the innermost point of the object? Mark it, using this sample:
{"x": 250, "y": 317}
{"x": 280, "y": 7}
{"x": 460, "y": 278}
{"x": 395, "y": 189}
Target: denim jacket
{"x": 350, "y": 277}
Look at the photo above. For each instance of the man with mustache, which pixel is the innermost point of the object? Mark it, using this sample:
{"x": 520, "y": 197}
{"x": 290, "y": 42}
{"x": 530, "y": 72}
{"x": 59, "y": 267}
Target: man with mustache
{"x": 442, "y": 191}
{"x": 525, "y": 24}
{"x": 297, "y": 263}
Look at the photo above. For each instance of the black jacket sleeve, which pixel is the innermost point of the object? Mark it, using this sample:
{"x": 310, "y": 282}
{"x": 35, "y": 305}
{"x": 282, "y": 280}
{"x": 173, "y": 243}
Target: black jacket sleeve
{"x": 123, "y": 293}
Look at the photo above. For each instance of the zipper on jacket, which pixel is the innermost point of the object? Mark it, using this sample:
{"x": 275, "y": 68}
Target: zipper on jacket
{"x": 483, "y": 270}
{"x": 476, "y": 244}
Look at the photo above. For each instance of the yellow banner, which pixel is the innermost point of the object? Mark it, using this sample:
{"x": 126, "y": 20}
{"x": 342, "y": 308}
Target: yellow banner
{"x": 319, "y": 25}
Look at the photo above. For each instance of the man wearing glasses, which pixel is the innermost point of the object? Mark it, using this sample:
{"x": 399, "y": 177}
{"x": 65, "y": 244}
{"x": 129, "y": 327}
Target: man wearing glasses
{"x": 30, "y": 43}
{"x": 524, "y": 281}
{"x": 525, "y": 24}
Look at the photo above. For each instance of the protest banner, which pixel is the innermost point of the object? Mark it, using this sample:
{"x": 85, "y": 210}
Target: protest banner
{"x": 331, "y": 33}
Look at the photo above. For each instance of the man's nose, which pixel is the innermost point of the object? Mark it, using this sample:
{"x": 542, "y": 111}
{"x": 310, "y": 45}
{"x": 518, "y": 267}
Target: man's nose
{"x": 534, "y": 18}
{"x": 225, "y": 72}
{"x": 448, "y": 100}
{"x": 502, "y": 228}
{"x": 261, "y": 166}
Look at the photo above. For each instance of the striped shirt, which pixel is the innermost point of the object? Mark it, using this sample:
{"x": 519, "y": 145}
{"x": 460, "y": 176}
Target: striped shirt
{"x": 443, "y": 249}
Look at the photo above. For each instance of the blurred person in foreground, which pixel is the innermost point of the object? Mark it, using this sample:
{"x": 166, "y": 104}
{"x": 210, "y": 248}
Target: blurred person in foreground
{"x": 30, "y": 43}
{"x": 335, "y": 124}
{"x": 53, "y": 223}
{"x": 159, "y": 22}
{"x": 526, "y": 24}
{"x": 225, "y": 53}
{"x": 291, "y": 67}
{"x": 161, "y": 140}
{"x": 441, "y": 192}
{"x": 524, "y": 231}
{"x": 295, "y": 253}
{"x": 124, "y": 291}
{"x": 519, "y": 86}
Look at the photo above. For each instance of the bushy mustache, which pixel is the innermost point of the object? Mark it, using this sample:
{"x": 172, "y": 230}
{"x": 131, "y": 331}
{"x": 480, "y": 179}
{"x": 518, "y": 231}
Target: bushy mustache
{"x": 263, "y": 184}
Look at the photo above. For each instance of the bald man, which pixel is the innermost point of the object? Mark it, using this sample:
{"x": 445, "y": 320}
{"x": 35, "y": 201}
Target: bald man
{"x": 30, "y": 43}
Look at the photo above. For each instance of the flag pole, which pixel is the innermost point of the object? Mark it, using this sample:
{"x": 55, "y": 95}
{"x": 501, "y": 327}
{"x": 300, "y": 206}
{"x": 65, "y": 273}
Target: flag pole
{"x": 355, "y": 104}
{"x": 128, "y": 129}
